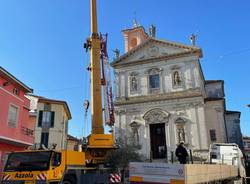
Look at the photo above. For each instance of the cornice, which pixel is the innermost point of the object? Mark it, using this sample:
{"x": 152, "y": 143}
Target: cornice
{"x": 169, "y": 96}
{"x": 156, "y": 59}
{"x": 9, "y": 93}
{"x": 9, "y": 76}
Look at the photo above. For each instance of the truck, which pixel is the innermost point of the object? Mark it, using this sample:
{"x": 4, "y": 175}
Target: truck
{"x": 228, "y": 154}
{"x": 64, "y": 166}
{"x": 41, "y": 166}
{"x": 47, "y": 166}
{"x": 231, "y": 170}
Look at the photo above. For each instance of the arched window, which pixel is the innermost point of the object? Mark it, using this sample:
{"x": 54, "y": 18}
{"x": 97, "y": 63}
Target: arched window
{"x": 133, "y": 42}
{"x": 154, "y": 80}
{"x": 180, "y": 130}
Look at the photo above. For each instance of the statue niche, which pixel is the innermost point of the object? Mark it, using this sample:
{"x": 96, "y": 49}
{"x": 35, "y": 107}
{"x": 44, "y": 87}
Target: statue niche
{"x": 135, "y": 133}
{"x": 176, "y": 78}
{"x": 134, "y": 82}
{"x": 180, "y": 130}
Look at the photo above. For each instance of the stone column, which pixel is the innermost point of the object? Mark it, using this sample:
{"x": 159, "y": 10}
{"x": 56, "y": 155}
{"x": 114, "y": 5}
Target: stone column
{"x": 122, "y": 85}
{"x": 148, "y": 141}
{"x": 162, "y": 80}
{"x": 202, "y": 127}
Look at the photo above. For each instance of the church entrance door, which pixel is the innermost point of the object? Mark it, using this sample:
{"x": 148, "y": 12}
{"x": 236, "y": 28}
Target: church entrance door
{"x": 158, "y": 140}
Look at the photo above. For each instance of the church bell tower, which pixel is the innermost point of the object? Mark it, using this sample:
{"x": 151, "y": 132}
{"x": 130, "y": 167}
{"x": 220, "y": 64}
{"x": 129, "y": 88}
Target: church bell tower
{"x": 134, "y": 37}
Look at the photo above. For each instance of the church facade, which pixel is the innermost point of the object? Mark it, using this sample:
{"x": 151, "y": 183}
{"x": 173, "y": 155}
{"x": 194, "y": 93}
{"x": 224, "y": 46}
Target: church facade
{"x": 162, "y": 98}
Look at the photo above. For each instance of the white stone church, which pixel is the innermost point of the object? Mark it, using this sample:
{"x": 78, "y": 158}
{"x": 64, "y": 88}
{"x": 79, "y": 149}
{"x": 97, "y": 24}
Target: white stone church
{"x": 162, "y": 97}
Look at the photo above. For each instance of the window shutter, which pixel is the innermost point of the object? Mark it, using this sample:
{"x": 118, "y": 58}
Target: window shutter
{"x": 40, "y": 118}
{"x": 52, "y": 119}
{"x": 213, "y": 135}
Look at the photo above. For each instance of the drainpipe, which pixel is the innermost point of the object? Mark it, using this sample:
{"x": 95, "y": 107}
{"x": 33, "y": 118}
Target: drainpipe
{"x": 63, "y": 126}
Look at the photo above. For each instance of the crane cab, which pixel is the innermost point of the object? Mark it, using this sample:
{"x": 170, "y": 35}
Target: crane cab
{"x": 41, "y": 166}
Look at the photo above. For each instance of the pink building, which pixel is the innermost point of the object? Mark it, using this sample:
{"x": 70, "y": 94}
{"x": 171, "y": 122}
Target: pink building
{"x": 16, "y": 133}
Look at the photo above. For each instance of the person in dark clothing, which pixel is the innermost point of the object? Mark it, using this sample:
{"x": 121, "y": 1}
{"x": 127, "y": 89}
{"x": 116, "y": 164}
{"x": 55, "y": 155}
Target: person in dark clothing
{"x": 181, "y": 153}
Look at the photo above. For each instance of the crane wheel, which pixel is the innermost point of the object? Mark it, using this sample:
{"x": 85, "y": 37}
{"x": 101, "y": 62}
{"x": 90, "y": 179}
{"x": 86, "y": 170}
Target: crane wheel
{"x": 69, "y": 180}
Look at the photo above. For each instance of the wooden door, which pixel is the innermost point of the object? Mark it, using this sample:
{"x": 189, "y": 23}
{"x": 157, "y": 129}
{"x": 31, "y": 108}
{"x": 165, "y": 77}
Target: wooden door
{"x": 158, "y": 140}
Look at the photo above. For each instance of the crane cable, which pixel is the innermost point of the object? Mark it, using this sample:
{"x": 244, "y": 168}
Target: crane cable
{"x": 84, "y": 128}
{"x": 86, "y": 107}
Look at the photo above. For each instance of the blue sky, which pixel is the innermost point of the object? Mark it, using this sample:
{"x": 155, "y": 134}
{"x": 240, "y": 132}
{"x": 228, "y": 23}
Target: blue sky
{"x": 41, "y": 43}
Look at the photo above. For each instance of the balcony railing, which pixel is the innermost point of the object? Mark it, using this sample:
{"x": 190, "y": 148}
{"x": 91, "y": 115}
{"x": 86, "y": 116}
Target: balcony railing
{"x": 27, "y": 131}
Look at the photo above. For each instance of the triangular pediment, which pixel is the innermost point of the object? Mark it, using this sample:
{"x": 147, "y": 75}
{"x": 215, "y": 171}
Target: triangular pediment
{"x": 153, "y": 48}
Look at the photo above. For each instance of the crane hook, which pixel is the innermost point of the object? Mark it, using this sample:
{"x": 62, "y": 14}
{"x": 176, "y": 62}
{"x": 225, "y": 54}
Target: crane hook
{"x": 86, "y": 105}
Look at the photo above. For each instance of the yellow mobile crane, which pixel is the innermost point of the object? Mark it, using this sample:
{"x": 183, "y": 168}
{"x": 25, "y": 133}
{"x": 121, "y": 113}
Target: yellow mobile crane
{"x": 98, "y": 142}
{"x": 69, "y": 167}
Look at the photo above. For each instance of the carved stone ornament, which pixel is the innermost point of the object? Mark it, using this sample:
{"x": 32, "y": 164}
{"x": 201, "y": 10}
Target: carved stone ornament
{"x": 134, "y": 125}
{"x": 156, "y": 116}
{"x": 181, "y": 113}
{"x": 175, "y": 67}
{"x": 120, "y": 111}
{"x": 153, "y": 51}
{"x": 136, "y": 118}
{"x": 142, "y": 57}
{"x": 153, "y": 71}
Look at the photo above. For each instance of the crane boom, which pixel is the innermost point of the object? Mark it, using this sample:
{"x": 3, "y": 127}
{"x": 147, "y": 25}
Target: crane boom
{"x": 96, "y": 96}
{"x": 94, "y": 27}
{"x": 98, "y": 144}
